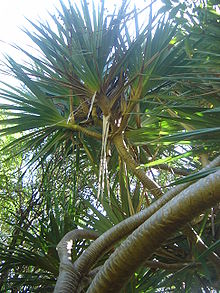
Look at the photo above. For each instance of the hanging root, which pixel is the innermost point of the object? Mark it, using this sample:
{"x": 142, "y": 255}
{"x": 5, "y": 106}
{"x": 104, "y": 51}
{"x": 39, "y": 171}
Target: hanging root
{"x": 103, "y": 168}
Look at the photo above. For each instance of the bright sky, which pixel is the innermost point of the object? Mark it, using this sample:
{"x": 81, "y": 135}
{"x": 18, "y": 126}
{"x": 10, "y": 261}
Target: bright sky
{"x": 12, "y": 19}
{"x": 13, "y": 13}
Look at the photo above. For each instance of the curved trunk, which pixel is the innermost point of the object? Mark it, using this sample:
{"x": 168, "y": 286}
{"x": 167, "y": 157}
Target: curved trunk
{"x": 66, "y": 281}
{"x": 152, "y": 233}
{"x": 108, "y": 239}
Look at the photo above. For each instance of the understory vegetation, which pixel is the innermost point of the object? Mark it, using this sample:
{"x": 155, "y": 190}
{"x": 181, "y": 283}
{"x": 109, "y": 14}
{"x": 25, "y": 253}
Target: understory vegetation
{"x": 110, "y": 164}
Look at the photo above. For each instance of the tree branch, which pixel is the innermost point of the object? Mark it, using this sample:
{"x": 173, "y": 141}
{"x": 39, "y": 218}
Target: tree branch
{"x": 152, "y": 233}
{"x": 84, "y": 130}
{"x": 174, "y": 170}
{"x": 67, "y": 273}
{"x": 108, "y": 239}
{"x": 148, "y": 183}
{"x": 169, "y": 266}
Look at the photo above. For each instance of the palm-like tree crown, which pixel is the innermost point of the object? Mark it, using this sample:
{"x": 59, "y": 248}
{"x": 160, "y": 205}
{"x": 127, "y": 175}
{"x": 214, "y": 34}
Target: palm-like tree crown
{"x": 122, "y": 107}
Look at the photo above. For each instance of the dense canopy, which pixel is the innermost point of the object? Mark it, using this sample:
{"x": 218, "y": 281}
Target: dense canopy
{"x": 110, "y": 177}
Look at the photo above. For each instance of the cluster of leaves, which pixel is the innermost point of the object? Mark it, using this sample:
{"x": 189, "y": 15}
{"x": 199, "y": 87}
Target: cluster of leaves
{"x": 36, "y": 213}
{"x": 160, "y": 88}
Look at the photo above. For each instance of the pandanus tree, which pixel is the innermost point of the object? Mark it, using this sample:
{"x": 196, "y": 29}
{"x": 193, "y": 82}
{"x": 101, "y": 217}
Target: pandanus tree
{"x": 140, "y": 105}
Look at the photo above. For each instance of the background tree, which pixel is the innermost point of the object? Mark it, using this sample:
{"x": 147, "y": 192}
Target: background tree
{"x": 111, "y": 120}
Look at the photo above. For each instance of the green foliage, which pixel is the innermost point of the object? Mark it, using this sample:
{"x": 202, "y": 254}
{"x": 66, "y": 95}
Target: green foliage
{"x": 160, "y": 88}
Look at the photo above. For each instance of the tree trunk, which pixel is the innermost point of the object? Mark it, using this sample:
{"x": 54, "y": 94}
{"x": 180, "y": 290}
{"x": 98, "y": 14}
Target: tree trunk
{"x": 152, "y": 233}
